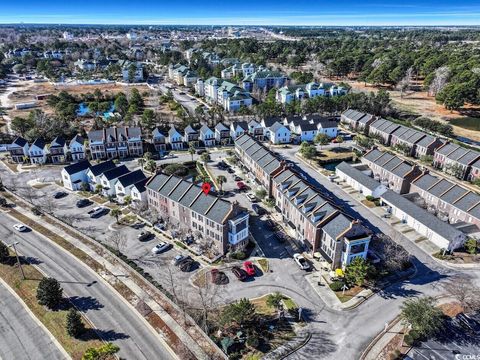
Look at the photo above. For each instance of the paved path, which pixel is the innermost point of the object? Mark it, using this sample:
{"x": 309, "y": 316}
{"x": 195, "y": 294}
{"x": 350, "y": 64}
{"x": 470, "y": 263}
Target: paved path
{"x": 21, "y": 336}
{"x": 115, "y": 320}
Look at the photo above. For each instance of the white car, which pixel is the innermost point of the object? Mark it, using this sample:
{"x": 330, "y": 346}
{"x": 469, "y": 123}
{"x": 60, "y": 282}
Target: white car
{"x": 157, "y": 249}
{"x": 97, "y": 211}
{"x": 20, "y": 227}
{"x": 301, "y": 261}
{"x": 251, "y": 197}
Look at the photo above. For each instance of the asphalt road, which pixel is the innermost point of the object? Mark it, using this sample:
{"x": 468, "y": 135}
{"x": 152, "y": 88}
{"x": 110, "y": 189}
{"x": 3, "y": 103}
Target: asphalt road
{"x": 21, "y": 337}
{"x": 115, "y": 320}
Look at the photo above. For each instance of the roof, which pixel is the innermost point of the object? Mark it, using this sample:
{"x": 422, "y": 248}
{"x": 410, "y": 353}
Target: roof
{"x": 39, "y": 143}
{"x": 190, "y": 130}
{"x": 102, "y": 167}
{"x": 77, "y": 167}
{"x": 389, "y": 162}
{"x": 157, "y": 133}
{"x": 114, "y": 134}
{"x": 204, "y": 129}
{"x": 358, "y": 176}
{"x": 57, "y": 142}
{"x": 337, "y": 226}
{"x": 131, "y": 178}
{"x": 277, "y": 126}
{"x": 191, "y": 196}
{"x": 458, "y": 153}
{"x": 116, "y": 172}
{"x": 432, "y": 222}
{"x": 172, "y": 131}
{"x": 77, "y": 138}
{"x": 306, "y": 126}
{"x": 221, "y": 127}
{"x": 140, "y": 185}
{"x": 19, "y": 141}
{"x": 242, "y": 124}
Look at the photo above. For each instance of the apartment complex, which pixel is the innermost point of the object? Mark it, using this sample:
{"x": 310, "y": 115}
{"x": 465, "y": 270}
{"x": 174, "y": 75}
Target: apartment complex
{"x": 224, "y": 93}
{"x": 455, "y": 160}
{"x": 115, "y": 142}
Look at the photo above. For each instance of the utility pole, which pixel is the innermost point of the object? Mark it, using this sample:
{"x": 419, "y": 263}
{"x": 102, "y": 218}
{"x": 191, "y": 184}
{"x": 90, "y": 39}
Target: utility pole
{"x": 18, "y": 259}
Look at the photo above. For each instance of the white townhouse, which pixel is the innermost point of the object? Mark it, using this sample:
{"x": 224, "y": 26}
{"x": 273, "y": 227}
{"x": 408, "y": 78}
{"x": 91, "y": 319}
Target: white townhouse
{"x": 306, "y": 131}
{"x": 95, "y": 171}
{"x": 327, "y": 126}
{"x": 207, "y": 135}
{"x": 279, "y": 133}
{"x": 109, "y": 178}
{"x": 73, "y": 176}
{"x": 255, "y": 130}
{"x": 76, "y": 147}
{"x": 287, "y": 94}
{"x": 18, "y": 150}
{"x": 175, "y": 139}
{"x": 237, "y": 129}
{"x": 124, "y": 184}
{"x": 38, "y": 152}
{"x": 139, "y": 192}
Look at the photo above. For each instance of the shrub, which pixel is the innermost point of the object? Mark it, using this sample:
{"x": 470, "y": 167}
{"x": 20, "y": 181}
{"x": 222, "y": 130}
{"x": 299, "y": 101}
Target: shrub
{"x": 412, "y": 338}
{"x": 4, "y": 255}
{"x": 239, "y": 255}
{"x": 75, "y": 325}
{"x": 336, "y": 285}
{"x": 471, "y": 246}
{"x": 370, "y": 198}
{"x": 176, "y": 169}
{"x": 3, "y": 202}
{"x": 252, "y": 342}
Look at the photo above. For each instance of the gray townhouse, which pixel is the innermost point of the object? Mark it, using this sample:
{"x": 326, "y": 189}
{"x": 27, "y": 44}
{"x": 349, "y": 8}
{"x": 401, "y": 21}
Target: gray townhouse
{"x": 356, "y": 120}
{"x": 115, "y": 142}
{"x": 415, "y": 143}
{"x": 450, "y": 202}
{"x": 455, "y": 160}
{"x": 58, "y": 150}
{"x": 222, "y": 134}
{"x": 18, "y": 150}
{"x": 390, "y": 170}
{"x": 223, "y": 224}
{"x": 159, "y": 140}
{"x": 191, "y": 136}
{"x": 383, "y": 129}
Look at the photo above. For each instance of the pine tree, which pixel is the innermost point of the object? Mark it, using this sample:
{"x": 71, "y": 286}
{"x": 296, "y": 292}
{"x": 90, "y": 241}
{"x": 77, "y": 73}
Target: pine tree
{"x": 49, "y": 293}
{"x": 75, "y": 325}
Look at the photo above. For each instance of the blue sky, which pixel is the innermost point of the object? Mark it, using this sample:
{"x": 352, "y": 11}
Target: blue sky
{"x": 266, "y": 12}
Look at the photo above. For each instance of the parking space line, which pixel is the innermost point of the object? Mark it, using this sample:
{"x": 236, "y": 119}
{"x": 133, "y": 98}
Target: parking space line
{"x": 436, "y": 352}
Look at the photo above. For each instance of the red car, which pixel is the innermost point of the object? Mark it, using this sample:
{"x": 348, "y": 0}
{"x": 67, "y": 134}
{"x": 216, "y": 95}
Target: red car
{"x": 249, "y": 268}
{"x": 241, "y": 185}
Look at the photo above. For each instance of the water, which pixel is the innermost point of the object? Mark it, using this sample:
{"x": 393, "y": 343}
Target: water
{"x": 84, "y": 110}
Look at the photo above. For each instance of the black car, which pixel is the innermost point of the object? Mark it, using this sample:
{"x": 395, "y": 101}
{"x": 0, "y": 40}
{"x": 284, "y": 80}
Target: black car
{"x": 59, "y": 194}
{"x": 230, "y": 171}
{"x": 271, "y": 224}
{"x": 237, "y": 178}
{"x": 188, "y": 265}
{"x": 83, "y": 202}
{"x": 239, "y": 273}
{"x": 258, "y": 209}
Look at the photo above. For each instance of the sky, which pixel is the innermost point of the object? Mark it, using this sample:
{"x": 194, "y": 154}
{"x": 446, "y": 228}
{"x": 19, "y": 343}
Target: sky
{"x": 259, "y": 12}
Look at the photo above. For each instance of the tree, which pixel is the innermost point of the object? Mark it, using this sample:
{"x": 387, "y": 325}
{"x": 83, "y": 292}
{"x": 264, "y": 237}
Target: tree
{"x": 422, "y": 315}
{"x": 339, "y": 139}
{"x": 322, "y": 139}
{"x": 471, "y": 245}
{"x": 191, "y": 150}
{"x": 4, "y": 254}
{"x": 463, "y": 290}
{"x": 148, "y": 118}
{"x": 275, "y": 300}
{"x": 261, "y": 193}
{"x": 364, "y": 141}
{"x": 49, "y": 293}
{"x": 116, "y": 212}
{"x": 98, "y": 188}
{"x": 176, "y": 169}
{"x": 307, "y": 150}
{"x": 127, "y": 200}
{"x": 150, "y": 165}
{"x": 241, "y": 313}
{"x": 75, "y": 325}
{"x": 102, "y": 352}
{"x": 205, "y": 157}
{"x": 221, "y": 180}
{"x": 357, "y": 271}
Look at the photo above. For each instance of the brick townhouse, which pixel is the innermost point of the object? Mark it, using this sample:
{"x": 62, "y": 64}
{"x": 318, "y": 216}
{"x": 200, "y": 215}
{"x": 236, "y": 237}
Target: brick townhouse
{"x": 455, "y": 160}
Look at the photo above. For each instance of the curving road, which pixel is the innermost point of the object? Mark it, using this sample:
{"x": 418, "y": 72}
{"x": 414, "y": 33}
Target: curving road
{"x": 21, "y": 337}
{"x": 115, "y": 320}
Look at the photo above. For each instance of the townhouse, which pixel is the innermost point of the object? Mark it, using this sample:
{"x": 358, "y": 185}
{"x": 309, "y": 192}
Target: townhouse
{"x": 159, "y": 141}
{"x": 287, "y": 94}
{"x": 256, "y": 130}
{"x": 95, "y": 171}
{"x": 390, "y": 170}
{"x": 222, "y": 134}
{"x": 358, "y": 177}
{"x": 279, "y": 133}
{"x": 58, "y": 150}
{"x": 325, "y": 125}
{"x": 258, "y": 160}
{"x": 115, "y": 142}
{"x": 138, "y": 192}
{"x": 414, "y": 142}
{"x": 124, "y": 184}
{"x": 18, "y": 150}
{"x": 264, "y": 80}
{"x": 175, "y": 139}
{"x": 383, "y": 129}
{"x": 109, "y": 177}
{"x": 75, "y": 175}
{"x": 37, "y": 152}
{"x": 207, "y": 136}
{"x": 451, "y": 202}
{"x": 237, "y": 70}
{"x": 191, "y": 136}
{"x": 76, "y": 148}
{"x": 356, "y": 120}
{"x": 455, "y": 160}
{"x": 222, "y": 224}
{"x": 224, "y": 93}
{"x": 238, "y": 128}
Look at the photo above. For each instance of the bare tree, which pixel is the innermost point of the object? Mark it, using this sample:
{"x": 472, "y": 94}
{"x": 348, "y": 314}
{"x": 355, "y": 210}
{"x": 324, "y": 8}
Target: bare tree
{"x": 406, "y": 82}
{"x": 439, "y": 81}
{"x": 118, "y": 240}
{"x": 463, "y": 290}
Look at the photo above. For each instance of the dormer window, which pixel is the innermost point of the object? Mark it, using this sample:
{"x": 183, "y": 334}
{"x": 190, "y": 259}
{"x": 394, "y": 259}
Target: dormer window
{"x": 308, "y": 207}
{"x": 299, "y": 200}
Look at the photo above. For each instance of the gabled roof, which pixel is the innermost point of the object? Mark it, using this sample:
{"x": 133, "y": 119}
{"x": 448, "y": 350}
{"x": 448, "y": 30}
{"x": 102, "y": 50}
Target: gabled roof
{"x": 277, "y": 126}
{"x": 241, "y": 124}
{"x": 131, "y": 178}
{"x": 19, "y": 141}
{"x": 58, "y": 142}
{"x": 77, "y": 139}
{"x": 116, "y": 172}
{"x": 190, "y": 130}
{"x": 102, "y": 167}
{"x": 204, "y": 129}
{"x": 140, "y": 185}
{"x": 173, "y": 131}
{"x": 39, "y": 143}
{"x": 156, "y": 133}
{"x": 221, "y": 127}
{"x": 77, "y": 167}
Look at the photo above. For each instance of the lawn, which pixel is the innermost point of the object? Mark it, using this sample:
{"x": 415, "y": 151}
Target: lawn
{"x": 470, "y": 123}
{"x": 98, "y": 199}
{"x": 12, "y": 167}
{"x": 349, "y": 294}
{"x": 54, "y": 321}
{"x": 263, "y": 264}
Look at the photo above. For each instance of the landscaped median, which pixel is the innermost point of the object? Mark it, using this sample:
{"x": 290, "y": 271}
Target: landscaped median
{"x": 162, "y": 314}
{"x": 54, "y": 321}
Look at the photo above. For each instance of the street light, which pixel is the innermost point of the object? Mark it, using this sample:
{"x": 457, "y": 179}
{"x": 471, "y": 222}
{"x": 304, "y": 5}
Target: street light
{"x": 18, "y": 259}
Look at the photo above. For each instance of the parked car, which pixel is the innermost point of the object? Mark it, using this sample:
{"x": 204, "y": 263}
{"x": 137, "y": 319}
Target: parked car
{"x": 97, "y": 211}
{"x": 83, "y": 203}
{"x": 159, "y": 248}
{"x": 239, "y": 273}
{"x": 218, "y": 277}
{"x": 230, "y": 171}
{"x": 201, "y": 151}
{"x": 241, "y": 186}
{"x": 280, "y": 236}
{"x": 187, "y": 265}
{"x": 177, "y": 260}
{"x": 271, "y": 224}
{"x": 258, "y": 209}
{"x": 159, "y": 226}
{"x": 59, "y": 194}
{"x": 144, "y": 235}
{"x": 251, "y": 197}
{"x": 20, "y": 227}
{"x": 237, "y": 178}
{"x": 301, "y": 261}
{"x": 138, "y": 225}
{"x": 249, "y": 268}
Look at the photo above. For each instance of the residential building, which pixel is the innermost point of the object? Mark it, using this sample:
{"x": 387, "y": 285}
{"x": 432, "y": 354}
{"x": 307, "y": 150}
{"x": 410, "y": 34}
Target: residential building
{"x": 224, "y": 93}
{"x": 138, "y": 192}
{"x": 85, "y": 65}
{"x": 255, "y": 130}
{"x": 306, "y": 131}
{"x": 207, "y": 136}
{"x": 159, "y": 141}
{"x": 357, "y": 120}
{"x": 182, "y": 75}
{"x": 115, "y": 142}
{"x": 455, "y": 160}
{"x": 76, "y": 148}
{"x": 358, "y": 177}
{"x": 279, "y": 134}
{"x": 74, "y": 175}
{"x": 37, "y": 152}
{"x": 18, "y": 150}
{"x": 238, "y": 128}
{"x": 58, "y": 150}
{"x": 238, "y": 70}
{"x": 325, "y": 125}
{"x": 383, "y": 129}
{"x": 109, "y": 178}
{"x": 191, "y": 136}
{"x": 390, "y": 170}
{"x": 449, "y": 201}
{"x": 264, "y": 80}
{"x": 132, "y": 71}
{"x": 414, "y": 142}
{"x": 219, "y": 223}
{"x": 287, "y": 94}
{"x": 95, "y": 171}
{"x": 222, "y": 134}
{"x": 175, "y": 139}
{"x": 124, "y": 184}
{"x": 442, "y": 234}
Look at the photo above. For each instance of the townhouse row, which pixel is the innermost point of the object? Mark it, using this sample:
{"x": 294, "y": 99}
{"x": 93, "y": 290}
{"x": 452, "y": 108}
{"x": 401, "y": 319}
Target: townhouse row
{"x": 317, "y": 222}
{"x": 451, "y": 158}
{"x": 107, "y": 179}
{"x": 287, "y": 94}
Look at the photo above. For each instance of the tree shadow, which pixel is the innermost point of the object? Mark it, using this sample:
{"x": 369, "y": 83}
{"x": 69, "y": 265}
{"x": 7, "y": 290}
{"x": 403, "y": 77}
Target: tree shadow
{"x": 106, "y": 335}
{"x": 85, "y": 303}
{"x": 320, "y": 346}
{"x": 30, "y": 260}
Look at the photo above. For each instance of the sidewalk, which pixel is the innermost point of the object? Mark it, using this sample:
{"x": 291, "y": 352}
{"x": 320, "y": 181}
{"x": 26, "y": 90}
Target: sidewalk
{"x": 115, "y": 271}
